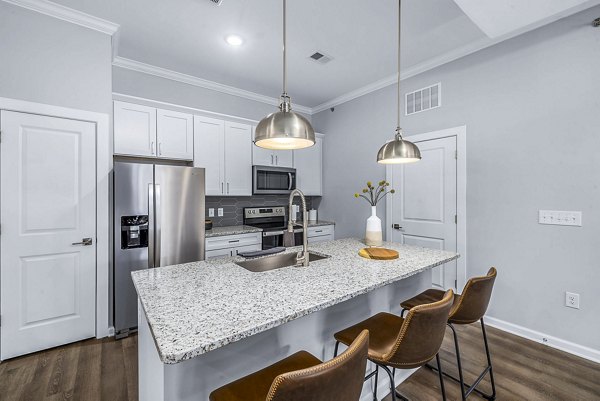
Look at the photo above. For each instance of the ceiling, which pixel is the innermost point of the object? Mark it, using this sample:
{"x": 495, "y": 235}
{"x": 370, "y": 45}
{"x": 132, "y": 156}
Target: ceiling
{"x": 187, "y": 36}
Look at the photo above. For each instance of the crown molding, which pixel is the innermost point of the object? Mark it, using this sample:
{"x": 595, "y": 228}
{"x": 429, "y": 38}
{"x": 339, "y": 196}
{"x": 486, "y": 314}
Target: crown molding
{"x": 200, "y": 82}
{"x": 67, "y": 14}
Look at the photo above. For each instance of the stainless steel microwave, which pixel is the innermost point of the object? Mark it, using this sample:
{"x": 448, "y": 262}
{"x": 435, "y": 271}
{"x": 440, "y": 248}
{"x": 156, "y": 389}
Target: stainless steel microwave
{"x": 268, "y": 180}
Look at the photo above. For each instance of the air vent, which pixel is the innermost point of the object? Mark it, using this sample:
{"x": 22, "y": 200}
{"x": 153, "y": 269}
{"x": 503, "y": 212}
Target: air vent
{"x": 424, "y": 99}
{"x": 217, "y": 2}
{"x": 321, "y": 58}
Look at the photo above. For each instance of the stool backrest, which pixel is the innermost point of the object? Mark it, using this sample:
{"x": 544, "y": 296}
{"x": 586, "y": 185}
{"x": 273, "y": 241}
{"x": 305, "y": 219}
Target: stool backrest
{"x": 474, "y": 300}
{"x": 421, "y": 334}
{"x": 338, "y": 379}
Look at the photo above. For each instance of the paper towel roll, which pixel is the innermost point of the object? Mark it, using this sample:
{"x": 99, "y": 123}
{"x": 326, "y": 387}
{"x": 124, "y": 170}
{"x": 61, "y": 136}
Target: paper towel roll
{"x": 312, "y": 215}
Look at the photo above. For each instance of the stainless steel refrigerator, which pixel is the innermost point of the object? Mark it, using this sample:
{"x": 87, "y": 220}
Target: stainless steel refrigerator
{"x": 158, "y": 221}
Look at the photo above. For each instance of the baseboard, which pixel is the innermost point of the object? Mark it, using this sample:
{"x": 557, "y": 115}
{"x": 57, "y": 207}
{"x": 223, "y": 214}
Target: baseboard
{"x": 383, "y": 387}
{"x": 554, "y": 342}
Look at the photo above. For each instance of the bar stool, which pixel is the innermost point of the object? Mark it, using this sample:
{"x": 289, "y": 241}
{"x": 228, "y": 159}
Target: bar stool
{"x": 399, "y": 343}
{"x": 468, "y": 308}
{"x": 302, "y": 377}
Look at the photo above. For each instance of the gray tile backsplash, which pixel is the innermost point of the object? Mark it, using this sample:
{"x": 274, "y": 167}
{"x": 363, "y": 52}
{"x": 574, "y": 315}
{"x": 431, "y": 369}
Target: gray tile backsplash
{"x": 233, "y": 206}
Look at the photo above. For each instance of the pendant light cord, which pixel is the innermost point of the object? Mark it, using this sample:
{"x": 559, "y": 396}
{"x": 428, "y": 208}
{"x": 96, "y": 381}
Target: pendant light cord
{"x": 284, "y": 49}
{"x": 398, "y": 129}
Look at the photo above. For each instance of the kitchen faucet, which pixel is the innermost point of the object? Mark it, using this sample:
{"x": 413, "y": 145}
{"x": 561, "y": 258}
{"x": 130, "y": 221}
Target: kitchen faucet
{"x": 302, "y": 257}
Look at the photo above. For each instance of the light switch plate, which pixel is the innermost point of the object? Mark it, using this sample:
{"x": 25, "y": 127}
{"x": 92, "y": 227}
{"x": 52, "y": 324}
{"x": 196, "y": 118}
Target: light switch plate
{"x": 560, "y": 218}
{"x": 211, "y": 212}
{"x": 220, "y": 212}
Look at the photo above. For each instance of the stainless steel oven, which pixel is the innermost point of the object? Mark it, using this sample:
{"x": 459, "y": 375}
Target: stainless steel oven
{"x": 272, "y": 220}
{"x": 269, "y": 180}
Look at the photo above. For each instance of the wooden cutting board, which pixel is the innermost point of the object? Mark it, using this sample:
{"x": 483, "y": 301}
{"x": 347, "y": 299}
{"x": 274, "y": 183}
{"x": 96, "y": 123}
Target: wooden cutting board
{"x": 378, "y": 253}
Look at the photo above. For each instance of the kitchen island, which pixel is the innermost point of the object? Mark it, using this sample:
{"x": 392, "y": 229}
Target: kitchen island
{"x": 204, "y": 324}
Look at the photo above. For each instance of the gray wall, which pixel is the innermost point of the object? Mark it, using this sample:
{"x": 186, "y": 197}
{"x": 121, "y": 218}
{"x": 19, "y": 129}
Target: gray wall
{"x": 133, "y": 83}
{"x": 532, "y": 110}
{"x": 50, "y": 61}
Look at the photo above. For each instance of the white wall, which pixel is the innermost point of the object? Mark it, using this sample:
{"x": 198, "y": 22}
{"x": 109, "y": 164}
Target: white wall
{"x": 532, "y": 110}
{"x": 50, "y": 61}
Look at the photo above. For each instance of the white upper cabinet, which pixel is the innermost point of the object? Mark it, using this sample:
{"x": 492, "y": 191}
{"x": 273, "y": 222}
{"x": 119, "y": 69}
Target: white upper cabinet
{"x": 308, "y": 163}
{"x": 175, "y": 135}
{"x": 134, "y": 130}
{"x": 223, "y": 149}
{"x": 238, "y": 159}
{"x": 284, "y": 158}
{"x": 209, "y": 140}
{"x": 268, "y": 157}
{"x": 150, "y": 132}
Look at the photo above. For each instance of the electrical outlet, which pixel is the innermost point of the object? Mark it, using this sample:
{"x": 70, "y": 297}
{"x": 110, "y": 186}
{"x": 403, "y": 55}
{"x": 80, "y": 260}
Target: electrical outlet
{"x": 220, "y": 211}
{"x": 572, "y": 300}
{"x": 559, "y": 218}
{"x": 211, "y": 212}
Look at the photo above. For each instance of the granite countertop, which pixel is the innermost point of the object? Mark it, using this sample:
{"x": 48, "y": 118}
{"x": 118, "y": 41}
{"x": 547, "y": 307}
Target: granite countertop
{"x": 231, "y": 230}
{"x": 197, "y": 307}
{"x": 320, "y": 223}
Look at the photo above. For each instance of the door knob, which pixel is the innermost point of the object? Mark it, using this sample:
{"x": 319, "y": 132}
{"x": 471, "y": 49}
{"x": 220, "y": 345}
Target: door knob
{"x": 84, "y": 242}
{"x": 396, "y": 227}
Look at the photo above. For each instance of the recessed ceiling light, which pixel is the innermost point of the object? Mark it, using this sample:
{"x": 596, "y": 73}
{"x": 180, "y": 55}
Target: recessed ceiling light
{"x": 234, "y": 40}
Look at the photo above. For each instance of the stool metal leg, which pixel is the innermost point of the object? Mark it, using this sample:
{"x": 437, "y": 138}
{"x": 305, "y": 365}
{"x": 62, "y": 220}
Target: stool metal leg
{"x": 489, "y": 361}
{"x": 392, "y": 384}
{"x": 458, "y": 362}
{"x": 473, "y": 387}
{"x": 376, "y": 380}
{"x": 441, "y": 376}
{"x": 337, "y": 344}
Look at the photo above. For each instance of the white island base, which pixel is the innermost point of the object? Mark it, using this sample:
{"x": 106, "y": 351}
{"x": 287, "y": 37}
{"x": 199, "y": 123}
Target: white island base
{"x": 194, "y": 379}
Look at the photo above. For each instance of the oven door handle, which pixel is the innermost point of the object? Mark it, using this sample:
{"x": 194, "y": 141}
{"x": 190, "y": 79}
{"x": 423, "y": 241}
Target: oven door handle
{"x": 272, "y": 233}
{"x": 291, "y": 181}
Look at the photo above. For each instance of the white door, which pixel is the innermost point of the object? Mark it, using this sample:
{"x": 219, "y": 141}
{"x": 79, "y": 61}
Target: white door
{"x": 209, "y": 138}
{"x": 424, "y": 208}
{"x": 175, "y": 135}
{"x": 308, "y": 163}
{"x": 238, "y": 159}
{"x": 134, "y": 129}
{"x": 48, "y": 198}
{"x": 284, "y": 158}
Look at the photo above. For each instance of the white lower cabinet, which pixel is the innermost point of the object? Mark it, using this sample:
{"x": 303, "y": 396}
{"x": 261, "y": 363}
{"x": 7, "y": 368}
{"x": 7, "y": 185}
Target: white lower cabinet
{"x": 231, "y": 245}
{"x": 321, "y": 234}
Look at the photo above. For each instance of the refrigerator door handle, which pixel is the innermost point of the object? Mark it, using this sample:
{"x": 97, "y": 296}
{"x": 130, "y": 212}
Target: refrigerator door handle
{"x": 157, "y": 216}
{"x": 150, "y": 225}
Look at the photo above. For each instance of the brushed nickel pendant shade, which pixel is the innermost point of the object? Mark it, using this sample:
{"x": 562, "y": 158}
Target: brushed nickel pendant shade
{"x": 284, "y": 129}
{"x": 399, "y": 150}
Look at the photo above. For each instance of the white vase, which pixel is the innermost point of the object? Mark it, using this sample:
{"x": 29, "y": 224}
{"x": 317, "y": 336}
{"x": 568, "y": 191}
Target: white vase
{"x": 374, "y": 235}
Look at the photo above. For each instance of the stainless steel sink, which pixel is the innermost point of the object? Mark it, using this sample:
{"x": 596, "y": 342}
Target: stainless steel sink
{"x": 275, "y": 262}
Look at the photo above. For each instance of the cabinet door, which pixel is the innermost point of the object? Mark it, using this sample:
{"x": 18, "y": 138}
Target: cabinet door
{"x": 217, "y": 253}
{"x": 262, "y": 156}
{"x": 309, "y": 169}
{"x": 247, "y": 248}
{"x": 238, "y": 159}
{"x": 284, "y": 158}
{"x": 208, "y": 152}
{"x": 175, "y": 135}
{"x": 134, "y": 130}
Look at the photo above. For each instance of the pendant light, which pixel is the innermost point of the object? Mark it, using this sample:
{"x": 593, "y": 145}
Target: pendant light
{"x": 399, "y": 150}
{"x": 284, "y": 129}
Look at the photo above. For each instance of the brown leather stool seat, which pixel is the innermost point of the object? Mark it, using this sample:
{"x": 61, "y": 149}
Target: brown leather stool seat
{"x": 469, "y": 307}
{"x": 403, "y": 343}
{"x": 302, "y": 376}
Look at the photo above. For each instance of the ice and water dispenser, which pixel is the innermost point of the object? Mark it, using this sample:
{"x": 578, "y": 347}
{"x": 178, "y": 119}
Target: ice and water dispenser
{"x": 134, "y": 232}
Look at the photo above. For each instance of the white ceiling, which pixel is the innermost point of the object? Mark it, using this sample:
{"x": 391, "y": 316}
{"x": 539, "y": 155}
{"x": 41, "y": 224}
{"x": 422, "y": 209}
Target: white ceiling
{"x": 187, "y": 36}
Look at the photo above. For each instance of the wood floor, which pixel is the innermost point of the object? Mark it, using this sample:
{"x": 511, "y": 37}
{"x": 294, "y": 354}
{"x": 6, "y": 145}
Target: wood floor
{"x": 106, "y": 370}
